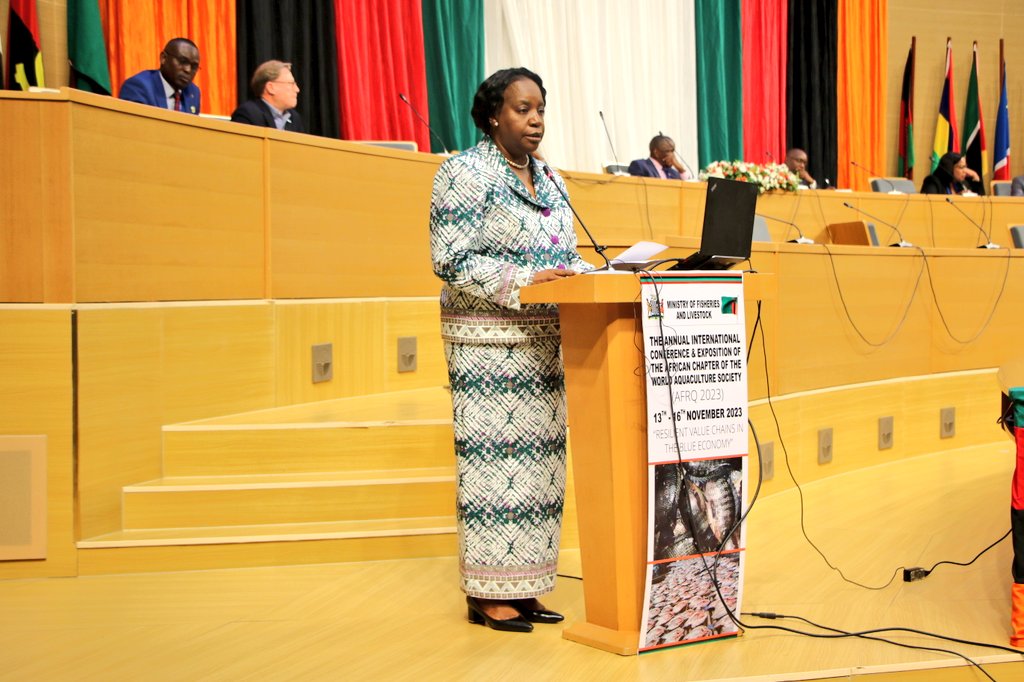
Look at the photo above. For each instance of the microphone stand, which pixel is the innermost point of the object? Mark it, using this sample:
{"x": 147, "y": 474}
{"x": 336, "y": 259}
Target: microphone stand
{"x": 611, "y": 146}
{"x": 886, "y": 180}
{"x": 988, "y": 241}
{"x": 597, "y": 247}
{"x": 902, "y": 243}
{"x": 799, "y": 240}
{"x": 402, "y": 97}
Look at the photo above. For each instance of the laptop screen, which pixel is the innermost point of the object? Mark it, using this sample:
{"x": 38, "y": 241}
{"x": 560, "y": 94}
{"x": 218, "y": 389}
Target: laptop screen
{"x": 728, "y": 218}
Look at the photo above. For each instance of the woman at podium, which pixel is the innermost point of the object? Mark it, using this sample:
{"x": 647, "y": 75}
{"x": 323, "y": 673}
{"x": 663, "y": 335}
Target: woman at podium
{"x": 499, "y": 221}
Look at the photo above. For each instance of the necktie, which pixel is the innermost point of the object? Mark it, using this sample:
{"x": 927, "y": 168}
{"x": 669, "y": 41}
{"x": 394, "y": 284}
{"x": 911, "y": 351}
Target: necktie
{"x": 177, "y": 101}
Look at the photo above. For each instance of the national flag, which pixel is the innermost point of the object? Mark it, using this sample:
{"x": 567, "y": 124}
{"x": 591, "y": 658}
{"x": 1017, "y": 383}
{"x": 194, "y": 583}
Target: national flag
{"x": 24, "y": 60}
{"x": 974, "y": 124}
{"x": 905, "y": 163}
{"x": 1001, "y": 170}
{"x": 87, "y": 50}
{"x": 946, "y": 139}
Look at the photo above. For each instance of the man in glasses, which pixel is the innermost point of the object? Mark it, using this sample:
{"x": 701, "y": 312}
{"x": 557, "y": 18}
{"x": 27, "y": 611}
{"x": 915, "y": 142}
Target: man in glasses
{"x": 276, "y": 96}
{"x": 170, "y": 86}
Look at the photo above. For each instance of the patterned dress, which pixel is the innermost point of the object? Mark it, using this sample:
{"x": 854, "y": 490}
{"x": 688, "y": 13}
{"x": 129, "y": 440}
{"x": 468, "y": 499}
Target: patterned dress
{"x": 487, "y": 238}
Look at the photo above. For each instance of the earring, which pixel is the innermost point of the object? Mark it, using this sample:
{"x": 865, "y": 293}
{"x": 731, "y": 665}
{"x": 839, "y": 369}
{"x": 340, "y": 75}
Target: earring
{"x": 494, "y": 124}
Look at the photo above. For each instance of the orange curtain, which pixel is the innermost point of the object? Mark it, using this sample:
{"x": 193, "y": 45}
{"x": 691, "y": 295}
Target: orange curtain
{"x": 860, "y": 91}
{"x": 137, "y": 32}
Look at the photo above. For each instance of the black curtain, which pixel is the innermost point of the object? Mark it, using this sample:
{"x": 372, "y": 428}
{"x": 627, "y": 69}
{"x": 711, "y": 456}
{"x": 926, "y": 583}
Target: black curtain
{"x": 811, "y": 75}
{"x": 301, "y": 32}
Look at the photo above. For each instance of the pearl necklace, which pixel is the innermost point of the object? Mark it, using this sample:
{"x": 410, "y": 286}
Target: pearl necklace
{"x": 520, "y": 166}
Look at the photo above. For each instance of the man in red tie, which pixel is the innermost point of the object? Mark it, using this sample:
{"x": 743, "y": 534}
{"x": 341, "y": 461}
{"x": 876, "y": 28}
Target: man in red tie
{"x": 170, "y": 86}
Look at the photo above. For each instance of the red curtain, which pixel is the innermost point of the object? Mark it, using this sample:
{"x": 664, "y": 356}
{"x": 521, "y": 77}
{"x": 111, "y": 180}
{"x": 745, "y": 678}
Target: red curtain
{"x": 764, "y": 80}
{"x": 381, "y": 54}
{"x": 136, "y": 35}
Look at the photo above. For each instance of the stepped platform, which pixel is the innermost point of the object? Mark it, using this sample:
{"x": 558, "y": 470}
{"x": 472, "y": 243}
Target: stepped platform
{"x": 350, "y": 479}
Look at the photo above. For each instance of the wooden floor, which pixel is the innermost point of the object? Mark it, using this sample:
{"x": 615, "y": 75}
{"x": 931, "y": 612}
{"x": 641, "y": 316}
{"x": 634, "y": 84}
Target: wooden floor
{"x": 405, "y": 620}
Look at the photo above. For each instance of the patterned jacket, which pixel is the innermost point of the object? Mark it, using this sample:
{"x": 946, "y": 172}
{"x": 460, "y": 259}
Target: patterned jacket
{"x": 488, "y": 237}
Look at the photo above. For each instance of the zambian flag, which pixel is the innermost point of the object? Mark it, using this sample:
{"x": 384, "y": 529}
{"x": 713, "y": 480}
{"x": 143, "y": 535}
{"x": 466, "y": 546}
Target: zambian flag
{"x": 24, "y": 60}
{"x": 946, "y": 139}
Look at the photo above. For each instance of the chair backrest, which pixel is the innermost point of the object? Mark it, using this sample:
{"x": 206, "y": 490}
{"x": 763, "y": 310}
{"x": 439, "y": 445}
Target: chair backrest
{"x": 761, "y": 233}
{"x": 889, "y": 184}
{"x": 1001, "y": 188}
{"x": 1017, "y": 234}
{"x": 407, "y": 145}
{"x": 616, "y": 169}
{"x": 872, "y": 234}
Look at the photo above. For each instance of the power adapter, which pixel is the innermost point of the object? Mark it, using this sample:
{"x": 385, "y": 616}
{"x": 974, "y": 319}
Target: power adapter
{"x": 912, "y": 574}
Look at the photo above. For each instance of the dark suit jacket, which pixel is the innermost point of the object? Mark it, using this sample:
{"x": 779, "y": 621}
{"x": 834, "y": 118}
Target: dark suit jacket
{"x": 645, "y": 169}
{"x": 146, "y": 87}
{"x": 256, "y": 112}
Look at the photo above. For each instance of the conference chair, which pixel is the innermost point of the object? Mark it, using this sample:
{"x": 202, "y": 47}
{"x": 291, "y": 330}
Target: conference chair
{"x": 1001, "y": 188}
{"x": 872, "y": 234}
{"x": 889, "y": 184}
{"x": 1017, "y": 235}
{"x": 761, "y": 233}
{"x": 616, "y": 169}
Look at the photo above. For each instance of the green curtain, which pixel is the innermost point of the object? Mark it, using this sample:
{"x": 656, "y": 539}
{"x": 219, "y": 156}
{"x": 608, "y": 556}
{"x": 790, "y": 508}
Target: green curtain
{"x": 453, "y": 38}
{"x": 719, "y": 80}
{"x": 87, "y": 49}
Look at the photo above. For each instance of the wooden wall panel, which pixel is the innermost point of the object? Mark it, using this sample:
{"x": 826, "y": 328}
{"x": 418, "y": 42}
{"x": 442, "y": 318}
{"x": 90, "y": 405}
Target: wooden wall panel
{"x": 165, "y": 210}
{"x": 986, "y": 21}
{"x": 419, "y": 318}
{"x": 356, "y": 330}
{"x": 37, "y": 396}
{"x": 141, "y": 367}
{"x": 349, "y": 221}
{"x": 35, "y": 203}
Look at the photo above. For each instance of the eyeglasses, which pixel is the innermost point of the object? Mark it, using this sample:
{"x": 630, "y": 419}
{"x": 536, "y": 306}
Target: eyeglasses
{"x": 183, "y": 62}
{"x": 292, "y": 83}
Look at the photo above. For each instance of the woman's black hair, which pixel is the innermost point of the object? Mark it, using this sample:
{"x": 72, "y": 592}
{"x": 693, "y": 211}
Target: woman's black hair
{"x": 491, "y": 94}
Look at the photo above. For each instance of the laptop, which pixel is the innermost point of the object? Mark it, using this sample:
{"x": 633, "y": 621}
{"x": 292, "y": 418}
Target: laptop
{"x": 728, "y": 226}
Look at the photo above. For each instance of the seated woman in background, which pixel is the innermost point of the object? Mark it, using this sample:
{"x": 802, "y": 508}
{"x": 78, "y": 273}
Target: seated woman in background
{"x": 952, "y": 177}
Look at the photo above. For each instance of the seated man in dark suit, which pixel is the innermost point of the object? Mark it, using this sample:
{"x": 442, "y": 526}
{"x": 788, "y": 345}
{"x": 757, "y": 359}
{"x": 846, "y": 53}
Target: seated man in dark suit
{"x": 662, "y": 163}
{"x": 276, "y": 93}
{"x": 170, "y": 86}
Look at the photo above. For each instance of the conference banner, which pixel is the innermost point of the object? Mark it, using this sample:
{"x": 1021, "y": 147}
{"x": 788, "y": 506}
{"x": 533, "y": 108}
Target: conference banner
{"x": 696, "y": 377}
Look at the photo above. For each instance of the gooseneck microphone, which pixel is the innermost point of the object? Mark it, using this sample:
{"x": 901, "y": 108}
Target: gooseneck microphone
{"x": 405, "y": 99}
{"x": 892, "y": 187}
{"x": 902, "y": 243}
{"x": 597, "y": 247}
{"x": 799, "y": 240}
{"x": 610, "y": 145}
{"x": 988, "y": 241}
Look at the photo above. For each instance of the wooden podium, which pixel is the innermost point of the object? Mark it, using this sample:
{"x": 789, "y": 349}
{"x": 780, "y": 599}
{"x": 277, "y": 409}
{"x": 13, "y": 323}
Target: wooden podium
{"x": 602, "y": 348}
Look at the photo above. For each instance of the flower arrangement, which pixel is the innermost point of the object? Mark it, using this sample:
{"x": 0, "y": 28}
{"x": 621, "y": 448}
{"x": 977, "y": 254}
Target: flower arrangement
{"x": 766, "y": 176}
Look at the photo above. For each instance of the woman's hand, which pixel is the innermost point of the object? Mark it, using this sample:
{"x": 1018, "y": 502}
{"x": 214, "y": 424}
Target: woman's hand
{"x": 542, "y": 276}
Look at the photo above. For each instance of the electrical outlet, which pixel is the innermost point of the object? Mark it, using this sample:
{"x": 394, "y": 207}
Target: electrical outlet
{"x": 406, "y": 353}
{"x": 825, "y": 446}
{"x": 766, "y": 454}
{"x": 947, "y": 422}
{"x": 885, "y": 433}
{"x": 323, "y": 363}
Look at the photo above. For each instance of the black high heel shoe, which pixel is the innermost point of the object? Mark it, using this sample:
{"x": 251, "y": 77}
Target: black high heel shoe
{"x": 536, "y": 615}
{"x": 477, "y": 616}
